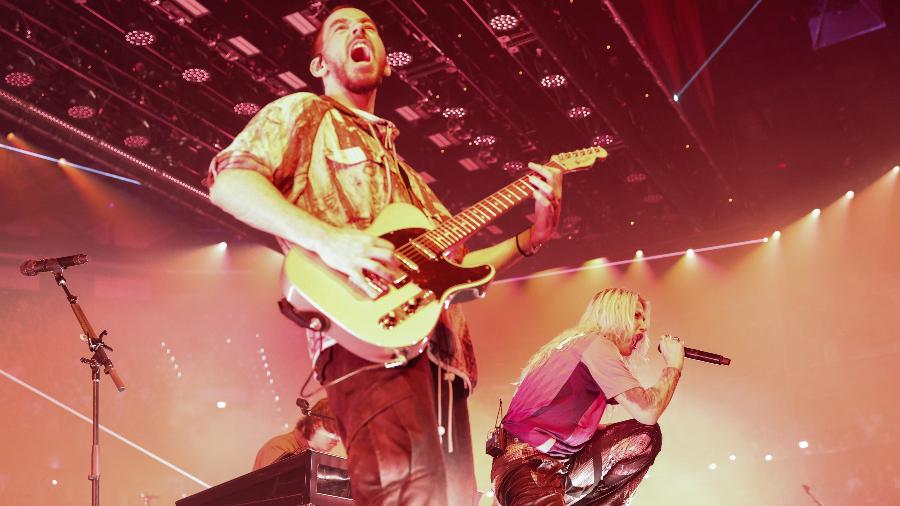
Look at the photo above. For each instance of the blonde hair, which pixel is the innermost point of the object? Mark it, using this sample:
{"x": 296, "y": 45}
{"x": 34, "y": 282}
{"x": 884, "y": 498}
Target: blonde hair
{"x": 610, "y": 315}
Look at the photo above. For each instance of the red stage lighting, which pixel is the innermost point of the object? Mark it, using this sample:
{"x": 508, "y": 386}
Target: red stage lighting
{"x": 136, "y": 141}
{"x": 454, "y": 112}
{"x": 246, "y": 108}
{"x": 603, "y": 140}
{"x": 553, "y": 81}
{"x": 399, "y": 59}
{"x": 484, "y": 140}
{"x": 504, "y": 22}
{"x": 514, "y": 166}
{"x": 635, "y": 177}
{"x": 81, "y": 112}
{"x": 140, "y": 38}
{"x": 579, "y": 112}
{"x": 195, "y": 75}
{"x": 19, "y": 79}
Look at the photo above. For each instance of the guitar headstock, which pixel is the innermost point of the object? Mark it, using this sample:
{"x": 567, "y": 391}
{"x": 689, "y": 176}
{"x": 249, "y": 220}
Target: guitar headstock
{"x": 571, "y": 161}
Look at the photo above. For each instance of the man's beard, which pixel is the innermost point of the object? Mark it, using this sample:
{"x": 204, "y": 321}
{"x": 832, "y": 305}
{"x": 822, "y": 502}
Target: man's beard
{"x": 362, "y": 84}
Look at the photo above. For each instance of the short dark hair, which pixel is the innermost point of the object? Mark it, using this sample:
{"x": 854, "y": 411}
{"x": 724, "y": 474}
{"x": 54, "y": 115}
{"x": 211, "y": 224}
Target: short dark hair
{"x": 318, "y": 37}
{"x": 320, "y": 416}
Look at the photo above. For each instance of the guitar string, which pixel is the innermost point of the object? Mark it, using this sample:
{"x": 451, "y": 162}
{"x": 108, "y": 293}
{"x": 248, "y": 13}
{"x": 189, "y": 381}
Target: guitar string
{"x": 459, "y": 221}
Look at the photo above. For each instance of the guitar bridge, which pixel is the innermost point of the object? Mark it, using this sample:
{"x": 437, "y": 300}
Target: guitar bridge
{"x": 407, "y": 309}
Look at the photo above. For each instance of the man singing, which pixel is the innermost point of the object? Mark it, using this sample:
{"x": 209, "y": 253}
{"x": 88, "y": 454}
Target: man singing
{"x": 555, "y": 452}
{"x": 314, "y": 171}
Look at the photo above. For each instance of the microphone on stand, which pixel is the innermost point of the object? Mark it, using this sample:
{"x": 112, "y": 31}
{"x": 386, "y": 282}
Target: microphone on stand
{"x": 703, "y": 356}
{"x": 33, "y": 267}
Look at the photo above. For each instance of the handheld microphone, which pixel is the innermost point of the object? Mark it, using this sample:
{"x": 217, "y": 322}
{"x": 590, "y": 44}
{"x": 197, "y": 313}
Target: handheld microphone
{"x": 703, "y": 356}
{"x": 33, "y": 267}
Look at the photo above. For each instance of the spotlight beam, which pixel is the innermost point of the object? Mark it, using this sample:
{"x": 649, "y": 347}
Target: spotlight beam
{"x": 70, "y": 164}
{"x": 629, "y": 261}
{"x": 715, "y": 51}
{"x": 106, "y": 430}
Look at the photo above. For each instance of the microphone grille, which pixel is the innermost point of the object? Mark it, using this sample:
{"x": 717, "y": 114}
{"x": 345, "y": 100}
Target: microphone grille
{"x": 28, "y": 268}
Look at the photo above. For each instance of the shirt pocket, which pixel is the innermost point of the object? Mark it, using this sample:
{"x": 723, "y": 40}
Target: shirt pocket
{"x": 360, "y": 178}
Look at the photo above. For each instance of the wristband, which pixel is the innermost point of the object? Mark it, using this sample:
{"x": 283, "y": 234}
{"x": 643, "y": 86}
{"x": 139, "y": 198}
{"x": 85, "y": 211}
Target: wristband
{"x": 522, "y": 252}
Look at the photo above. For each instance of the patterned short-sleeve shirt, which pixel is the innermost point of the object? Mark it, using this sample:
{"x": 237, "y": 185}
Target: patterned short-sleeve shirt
{"x": 341, "y": 166}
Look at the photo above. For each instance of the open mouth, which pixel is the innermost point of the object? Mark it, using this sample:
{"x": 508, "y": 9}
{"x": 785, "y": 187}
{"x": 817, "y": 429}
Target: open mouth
{"x": 360, "y": 52}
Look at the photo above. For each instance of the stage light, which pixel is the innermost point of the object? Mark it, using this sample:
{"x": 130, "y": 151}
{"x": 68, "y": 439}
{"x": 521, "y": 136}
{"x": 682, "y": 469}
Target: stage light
{"x": 815, "y": 212}
{"x": 454, "y": 112}
{"x": 849, "y": 194}
{"x": 639, "y": 253}
{"x": 222, "y": 246}
{"x": 228, "y": 341}
{"x": 261, "y": 350}
{"x": 768, "y": 457}
{"x": 579, "y": 112}
{"x": 140, "y": 38}
{"x": 896, "y": 169}
{"x": 54, "y": 482}
{"x": 81, "y": 112}
{"x": 712, "y": 466}
{"x": 776, "y": 234}
{"x": 504, "y": 22}
{"x": 553, "y": 81}
{"x": 399, "y": 59}
{"x": 675, "y": 97}
{"x": 136, "y": 141}
{"x": 19, "y": 79}
{"x": 246, "y": 108}
{"x": 263, "y": 358}
{"x": 271, "y": 381}
{"x": 765, "y": 239}
{"x": 732, "y": 457}
{"x": 484, "y": 140}
{"x": 277, "y": 398}
{"x": 168, "y": 351}
{"x": 514, "y": 166}
{"x": 179, "y": 374}
{"x": 603, "y": 140}
{"x": 268, "y": 373}
{"x": 163, "y": 344}
{"x": 803, "y": 444}
{"x": 689, "y": 252}
{"x": 195, "y": 75}
{"x": 635, "y": 177}
{"x": 171, "y": 359}
{"x": 265, "y": 365}
{"x": 221, "y": 404}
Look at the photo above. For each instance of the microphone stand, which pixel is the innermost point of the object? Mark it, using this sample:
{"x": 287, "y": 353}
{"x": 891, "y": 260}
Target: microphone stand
{"x": 98, "y": 359}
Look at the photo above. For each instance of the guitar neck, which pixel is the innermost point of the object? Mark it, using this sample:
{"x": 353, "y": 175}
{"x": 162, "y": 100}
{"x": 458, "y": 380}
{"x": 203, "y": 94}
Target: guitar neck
{"x": 467, "y": 223}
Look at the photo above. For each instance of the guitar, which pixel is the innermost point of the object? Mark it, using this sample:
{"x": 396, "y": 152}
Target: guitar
{"x": 394, "y": 326}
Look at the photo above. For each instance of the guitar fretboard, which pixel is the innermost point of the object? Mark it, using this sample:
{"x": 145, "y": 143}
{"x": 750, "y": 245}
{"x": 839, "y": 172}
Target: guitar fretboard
{"x": 468, "y": 222}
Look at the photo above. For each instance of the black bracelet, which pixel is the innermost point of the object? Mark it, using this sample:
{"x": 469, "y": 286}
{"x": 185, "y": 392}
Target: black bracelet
{"x": 518, "y": 247}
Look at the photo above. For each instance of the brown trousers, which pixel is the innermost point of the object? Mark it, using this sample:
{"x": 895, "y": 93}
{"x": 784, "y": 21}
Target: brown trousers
{"x": 606, "y": 471}
{"x": 388, "y": 423}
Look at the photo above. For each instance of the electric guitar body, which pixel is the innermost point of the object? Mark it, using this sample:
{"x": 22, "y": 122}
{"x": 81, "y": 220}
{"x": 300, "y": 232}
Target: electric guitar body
{"x": 397, "y": 323}
{"x": 394, "y": 326}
